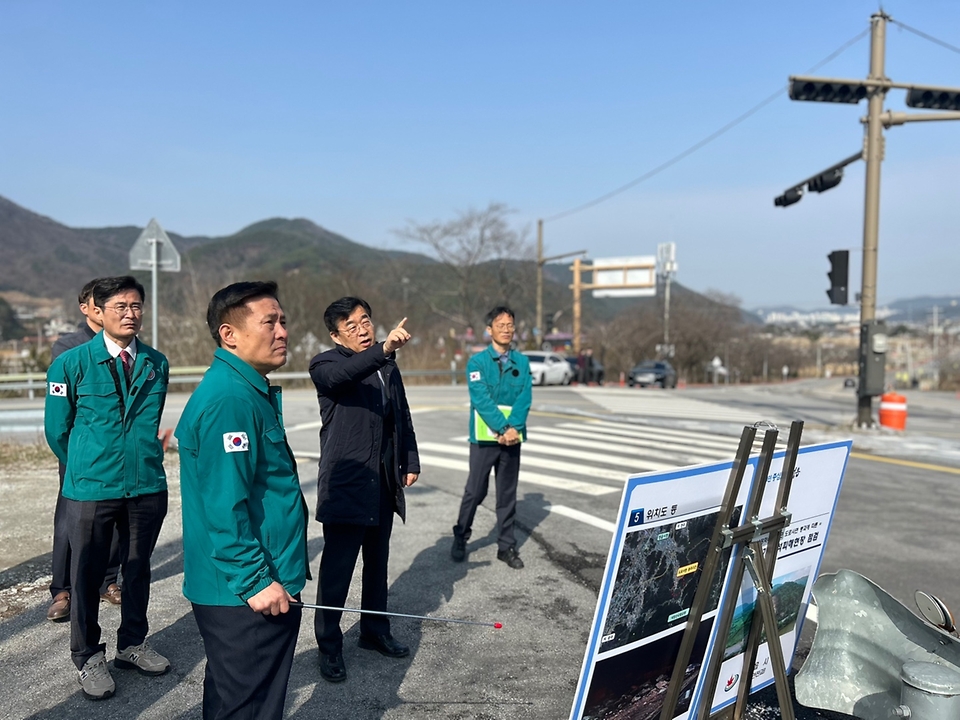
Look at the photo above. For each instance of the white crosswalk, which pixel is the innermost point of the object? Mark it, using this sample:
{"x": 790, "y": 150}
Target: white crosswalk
{"x": 665, "y": 404}
{"x": 593, "y": 457}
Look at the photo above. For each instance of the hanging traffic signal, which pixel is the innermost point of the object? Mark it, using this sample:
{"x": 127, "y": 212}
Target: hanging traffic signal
{"x": 933, "y": 98}
{"x": 827, "y": 180}
{"x": 790, "y": 197}
{"x": 839, "y": 272}
{"x": 827, "y": 90}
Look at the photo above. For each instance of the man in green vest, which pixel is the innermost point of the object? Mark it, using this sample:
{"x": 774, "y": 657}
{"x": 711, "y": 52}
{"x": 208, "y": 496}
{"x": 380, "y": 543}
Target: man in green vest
{"x": 101, "y": 418}
{"x": 244, "y": 517}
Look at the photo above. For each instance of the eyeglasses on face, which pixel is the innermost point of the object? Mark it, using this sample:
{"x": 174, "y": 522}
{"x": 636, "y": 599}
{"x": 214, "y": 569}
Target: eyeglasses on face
{"x": 504, "y": 327}
{"x": 122, "y": 309}
{"x": 352, "y": 328}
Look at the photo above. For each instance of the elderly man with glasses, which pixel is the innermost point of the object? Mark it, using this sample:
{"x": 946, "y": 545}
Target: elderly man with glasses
{"x": 101, "y": 417}
{"x": 368, "y": 455}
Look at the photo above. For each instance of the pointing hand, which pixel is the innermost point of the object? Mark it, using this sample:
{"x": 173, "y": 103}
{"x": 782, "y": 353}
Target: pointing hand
{"x": 397, "y": 338}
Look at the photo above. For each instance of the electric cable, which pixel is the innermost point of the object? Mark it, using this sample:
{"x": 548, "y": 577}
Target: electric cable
{"x": 922, "y": 34}
{"x": 707, "y": 140}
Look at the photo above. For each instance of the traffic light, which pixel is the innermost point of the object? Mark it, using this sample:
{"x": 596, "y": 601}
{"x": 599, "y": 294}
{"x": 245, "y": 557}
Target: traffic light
{"x": 932, "y": 98}
{"x": 839, "y": 271}
{"x": 827, "y": 180}
{"x": 823, "y": 90}
{"x": 790, "y": 197}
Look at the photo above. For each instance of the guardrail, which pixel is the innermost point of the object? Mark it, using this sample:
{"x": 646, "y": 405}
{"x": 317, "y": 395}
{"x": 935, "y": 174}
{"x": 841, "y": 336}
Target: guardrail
{"x": 31, "y": 383}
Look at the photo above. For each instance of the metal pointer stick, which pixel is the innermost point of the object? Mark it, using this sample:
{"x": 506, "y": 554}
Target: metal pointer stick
{"x": 495, "y": 625}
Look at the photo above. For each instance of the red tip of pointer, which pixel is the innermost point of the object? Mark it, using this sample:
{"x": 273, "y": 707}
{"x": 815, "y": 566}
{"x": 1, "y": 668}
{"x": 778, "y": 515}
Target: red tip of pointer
{"x": 497, "y": 626}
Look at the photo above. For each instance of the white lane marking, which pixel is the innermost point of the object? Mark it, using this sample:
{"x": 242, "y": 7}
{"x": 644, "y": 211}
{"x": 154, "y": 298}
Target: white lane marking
{"x": 528, "y": 461}
{"x": 533, "y": 478}
{"x": 582, "y": 517}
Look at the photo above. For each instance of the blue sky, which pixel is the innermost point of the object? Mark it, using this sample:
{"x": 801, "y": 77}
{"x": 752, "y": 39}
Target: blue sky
{"x": 360, "y": 116}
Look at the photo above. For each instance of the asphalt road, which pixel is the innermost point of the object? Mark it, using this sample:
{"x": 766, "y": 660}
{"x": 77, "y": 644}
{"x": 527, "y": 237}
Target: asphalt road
{"x": 894, "y": 523}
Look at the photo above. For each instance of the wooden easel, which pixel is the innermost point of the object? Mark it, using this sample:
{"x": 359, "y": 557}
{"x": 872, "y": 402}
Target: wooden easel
{"x": 753, "y": 559}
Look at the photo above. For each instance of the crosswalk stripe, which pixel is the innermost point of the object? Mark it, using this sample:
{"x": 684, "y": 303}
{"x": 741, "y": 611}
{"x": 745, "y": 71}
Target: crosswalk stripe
{"x": 630, "y": 462}
{"x": 582, "y": 517}
{"x": 576, "y": 486}
{"x": 645, "y": 442}
{"x": 691, "y": 436}
{"x": 696, "y": 438}
{"x": 662, "y": 404}
{"x": 461, "y": 449}
{"x": 557, "y": 446}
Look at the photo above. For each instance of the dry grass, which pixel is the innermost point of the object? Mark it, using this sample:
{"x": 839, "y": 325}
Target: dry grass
{"x": 20, "y": 454}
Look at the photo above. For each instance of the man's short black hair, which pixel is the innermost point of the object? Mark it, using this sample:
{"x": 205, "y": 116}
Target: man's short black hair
{"x": 497, "y": 312}
{"x": 86, "y": 291}
{"x": 106, "y": 288}
{"x": 341, "y": 309}
{"x": 229, "y": 305}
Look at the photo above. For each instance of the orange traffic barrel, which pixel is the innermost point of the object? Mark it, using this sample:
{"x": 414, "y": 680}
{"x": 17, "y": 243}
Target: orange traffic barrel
{"x": 893, "y": 411}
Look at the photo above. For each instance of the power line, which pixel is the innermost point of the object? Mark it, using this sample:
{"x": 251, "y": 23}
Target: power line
{"x": 707, "y": 140}
{"x": 932, "y": 39}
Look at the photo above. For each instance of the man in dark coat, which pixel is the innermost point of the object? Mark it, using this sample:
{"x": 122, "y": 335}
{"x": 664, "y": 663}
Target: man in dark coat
{"x": 368, "y": 454}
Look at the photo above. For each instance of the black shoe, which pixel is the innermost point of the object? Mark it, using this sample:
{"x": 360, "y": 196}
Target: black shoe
{"x": 332, "y": 668}
{"x": 459, "y": 550}
{"x": 385, "y": 645}
{"x": 511, "y": 557}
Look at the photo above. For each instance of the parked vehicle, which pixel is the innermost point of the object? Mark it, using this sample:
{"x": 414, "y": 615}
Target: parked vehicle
{"x": 849, "y": 383}
{"x": 548, "y": 368}
{"x": 653, "y": 372}
{"x": 594, "y": 371}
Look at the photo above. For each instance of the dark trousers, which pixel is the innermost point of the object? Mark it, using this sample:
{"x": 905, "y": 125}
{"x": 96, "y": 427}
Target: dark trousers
{"x": 249, "y": 656}
{"x": 61, "y": 550}
{"x": 341, "y": 545}
{"x": 92, "y": 524}
{"x": 505, "y": 460}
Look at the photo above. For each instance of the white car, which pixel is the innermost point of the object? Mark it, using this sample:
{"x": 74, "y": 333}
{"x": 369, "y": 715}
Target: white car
{"x": 549, "y": 368}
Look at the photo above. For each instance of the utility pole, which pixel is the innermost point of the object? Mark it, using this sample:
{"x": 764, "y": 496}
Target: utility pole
{"x": 873, "y": 89}
{"x": 873, "y": 152}
{"x": 540, "y": 329}
{"x": 667, "y": 262}
{"x": 541, "y": 261}
{"x": 936, "y": 333}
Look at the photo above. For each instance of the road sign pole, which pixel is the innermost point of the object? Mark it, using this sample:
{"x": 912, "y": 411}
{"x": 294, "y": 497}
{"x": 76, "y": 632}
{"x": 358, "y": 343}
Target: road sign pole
{"x": 153, "y": 290}
{"x": 539, "y": 320}
{"x": 871, "y": 205}
{"x": 154, "y": 251}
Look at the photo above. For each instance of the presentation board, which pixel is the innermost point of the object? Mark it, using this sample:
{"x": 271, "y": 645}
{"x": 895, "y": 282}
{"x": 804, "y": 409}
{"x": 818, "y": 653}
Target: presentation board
{"x": 665, "y": 524}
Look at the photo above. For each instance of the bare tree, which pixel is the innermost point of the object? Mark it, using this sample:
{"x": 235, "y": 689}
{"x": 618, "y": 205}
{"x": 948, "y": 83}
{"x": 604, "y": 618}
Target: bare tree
{"x": 478, "y": 248}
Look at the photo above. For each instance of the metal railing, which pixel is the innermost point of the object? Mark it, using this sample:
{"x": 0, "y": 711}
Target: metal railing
{"x": 31, "y": 383}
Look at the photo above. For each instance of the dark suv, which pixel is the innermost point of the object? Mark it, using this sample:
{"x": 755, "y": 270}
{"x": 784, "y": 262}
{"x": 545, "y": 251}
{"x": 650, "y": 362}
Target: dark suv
{"x": 653, "y": 372}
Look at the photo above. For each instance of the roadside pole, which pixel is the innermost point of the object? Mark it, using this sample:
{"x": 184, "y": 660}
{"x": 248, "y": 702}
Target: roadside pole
{"x": 541, "y": 261}
{"x": 154, "y": 250}
{"x": 871, "y": 205}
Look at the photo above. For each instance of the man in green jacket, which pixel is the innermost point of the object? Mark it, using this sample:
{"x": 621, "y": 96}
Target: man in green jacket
{"x": 102, "y": 418}
{"x": 500, "y": 395}
{"x": 244, "y": 516}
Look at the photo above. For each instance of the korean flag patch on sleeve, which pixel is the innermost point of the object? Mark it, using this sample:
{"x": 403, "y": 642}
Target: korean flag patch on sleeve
{"x": 58, "y": 389}
{"x": 235, "y": 442}
{"x": 474, "y": 376}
